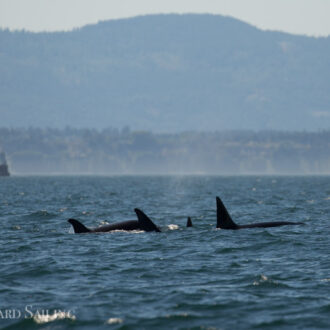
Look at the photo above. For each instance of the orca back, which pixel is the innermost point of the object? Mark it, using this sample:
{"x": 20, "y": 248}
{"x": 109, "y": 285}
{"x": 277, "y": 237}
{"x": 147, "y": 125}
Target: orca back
{"x": 224, "y": 220}
{"x": 270, "y": 224}
{"x": 124, "y": 225}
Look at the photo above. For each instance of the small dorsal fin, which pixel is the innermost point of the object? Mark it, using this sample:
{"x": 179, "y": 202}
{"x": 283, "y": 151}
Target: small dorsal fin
{"x": 145, "y": 223}
{"x": 224, "y": 220}
{"x": 78, "y": 226}
{"x": 189, "y": 223}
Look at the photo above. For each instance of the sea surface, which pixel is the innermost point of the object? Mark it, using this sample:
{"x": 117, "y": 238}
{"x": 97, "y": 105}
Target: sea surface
{"x": 182, "y": 278}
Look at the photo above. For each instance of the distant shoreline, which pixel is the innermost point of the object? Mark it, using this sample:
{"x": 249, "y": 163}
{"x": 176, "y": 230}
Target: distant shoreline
{"x": 124, "y": 152}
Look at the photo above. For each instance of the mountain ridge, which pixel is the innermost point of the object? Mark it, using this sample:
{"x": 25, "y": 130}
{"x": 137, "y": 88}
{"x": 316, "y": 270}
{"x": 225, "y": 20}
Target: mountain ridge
{"x": 165, "y": 73}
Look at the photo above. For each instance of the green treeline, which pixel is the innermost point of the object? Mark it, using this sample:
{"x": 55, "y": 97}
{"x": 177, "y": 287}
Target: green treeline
{"x": 113, "y": 151}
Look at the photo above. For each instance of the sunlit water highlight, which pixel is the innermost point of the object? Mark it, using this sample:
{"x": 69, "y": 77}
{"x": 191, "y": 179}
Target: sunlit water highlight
{"x": 199, "y": 277}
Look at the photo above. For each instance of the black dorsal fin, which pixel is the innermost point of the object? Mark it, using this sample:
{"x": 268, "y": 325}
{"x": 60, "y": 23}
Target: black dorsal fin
{"x": 144, "y": 222}
{"x": 224, "y": 220}
{"x": 78, "y": 226}
{"x": 189, "y": 223}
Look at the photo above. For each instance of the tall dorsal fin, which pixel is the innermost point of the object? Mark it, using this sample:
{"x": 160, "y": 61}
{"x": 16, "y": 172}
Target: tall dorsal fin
{"x": 189, "y": 223}
{"x": 224, "y": 220}
{"x": 145, "y": 223}
{"x": 78, "y": 226}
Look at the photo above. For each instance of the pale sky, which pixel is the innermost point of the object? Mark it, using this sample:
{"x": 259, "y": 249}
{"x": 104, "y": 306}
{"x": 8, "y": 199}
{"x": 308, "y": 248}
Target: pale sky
{"x": 311, "y": 17}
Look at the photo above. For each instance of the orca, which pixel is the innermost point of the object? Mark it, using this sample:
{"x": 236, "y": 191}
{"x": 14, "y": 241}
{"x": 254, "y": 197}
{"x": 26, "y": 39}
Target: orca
{"x": 189, "y": 223}
{"x": 143, "y": 223}
{"x": 224, "y": 220}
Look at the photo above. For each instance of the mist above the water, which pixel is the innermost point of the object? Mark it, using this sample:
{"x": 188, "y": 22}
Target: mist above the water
{"x": 113, "y": 151}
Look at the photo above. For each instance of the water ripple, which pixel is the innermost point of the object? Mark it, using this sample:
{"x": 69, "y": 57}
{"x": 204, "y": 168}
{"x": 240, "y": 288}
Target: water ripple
{"x": 198, "y": 278}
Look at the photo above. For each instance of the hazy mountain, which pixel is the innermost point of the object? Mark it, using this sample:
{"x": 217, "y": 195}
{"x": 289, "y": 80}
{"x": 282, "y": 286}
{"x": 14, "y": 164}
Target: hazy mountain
{"x": 165, "y": 73}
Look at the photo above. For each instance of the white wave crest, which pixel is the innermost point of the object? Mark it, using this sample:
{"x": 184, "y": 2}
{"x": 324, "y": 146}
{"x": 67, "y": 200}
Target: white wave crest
{"x": 173, "y": 227}
{"x": 104, "y": 222}
{"x": 45, "y": 318}
{"x": 114, "y": 320}
{"x": 135, "y": 231}
{"x": 262, "y": 279}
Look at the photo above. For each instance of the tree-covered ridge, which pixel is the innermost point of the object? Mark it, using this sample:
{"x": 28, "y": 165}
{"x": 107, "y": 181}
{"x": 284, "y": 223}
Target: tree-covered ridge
{"x": 165, "y": 73}
{"x": 112, "y": 151}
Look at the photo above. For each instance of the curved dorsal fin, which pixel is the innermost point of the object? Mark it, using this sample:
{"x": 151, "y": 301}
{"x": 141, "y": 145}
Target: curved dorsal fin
{"x": 78, "y": 226}
{"x": 189, "y": 223}
{"x": 145, "y": 223}
{"x": 224, "y": 220}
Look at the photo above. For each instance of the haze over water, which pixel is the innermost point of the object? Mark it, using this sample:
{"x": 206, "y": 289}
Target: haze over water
{"x": 200, "y": 277}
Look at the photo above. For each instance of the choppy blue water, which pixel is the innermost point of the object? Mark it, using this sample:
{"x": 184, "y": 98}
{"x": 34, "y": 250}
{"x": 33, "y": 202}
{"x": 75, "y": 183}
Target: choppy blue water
{"x": 198, "y": 278}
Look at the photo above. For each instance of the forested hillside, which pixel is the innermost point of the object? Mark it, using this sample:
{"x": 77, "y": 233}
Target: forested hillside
{"x": 110, "y": 151}
{"x": 165, "y": 73}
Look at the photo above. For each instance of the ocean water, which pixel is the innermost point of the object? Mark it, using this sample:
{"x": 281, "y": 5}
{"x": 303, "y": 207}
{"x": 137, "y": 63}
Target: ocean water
{"x": 182, "y": 278}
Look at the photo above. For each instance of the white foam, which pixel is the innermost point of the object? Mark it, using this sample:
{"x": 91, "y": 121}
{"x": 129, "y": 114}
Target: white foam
{"x": 114, "y": 320}
{"x": 104, "y": 222}
{"x": 136, "y": 231}
{"x": 263, "y": 278}
{"x": 45, "y": 318}
{"x": 173, "y": 227}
